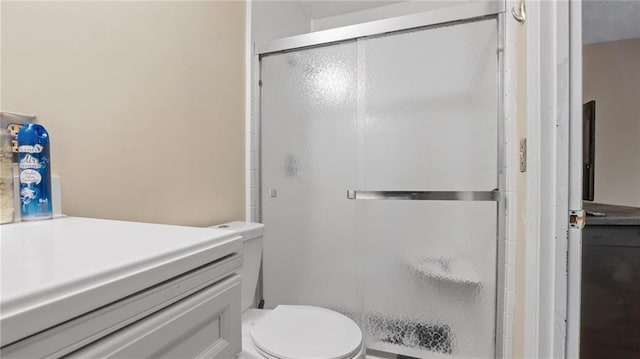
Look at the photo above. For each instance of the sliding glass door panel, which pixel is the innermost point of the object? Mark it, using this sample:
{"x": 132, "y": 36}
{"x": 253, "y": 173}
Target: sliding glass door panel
{"x": 428, "y": 276}
{"x": 428, "y": 121}
{"x": 308, "y": 164}
{"x": 428, "y": 104}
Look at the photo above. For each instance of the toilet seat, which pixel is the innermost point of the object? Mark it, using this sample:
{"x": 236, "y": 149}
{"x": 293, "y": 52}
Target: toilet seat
{"x": 295, "y": 331}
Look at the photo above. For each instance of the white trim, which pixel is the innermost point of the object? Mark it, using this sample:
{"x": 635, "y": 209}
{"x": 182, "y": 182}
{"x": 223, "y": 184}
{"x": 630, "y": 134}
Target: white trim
{"x": 247, "y": 108}
{"x": 532, "y": 240}
{"x": 575, "y": 179}
{"x": 559, "y": 14}
{"x": 548, "y": 151}
{"x": 548, "y": 132}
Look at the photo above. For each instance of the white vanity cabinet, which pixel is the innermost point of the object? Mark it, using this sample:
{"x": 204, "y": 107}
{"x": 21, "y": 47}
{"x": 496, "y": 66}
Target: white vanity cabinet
{"x": 130, "y": 290}
{"x": 199, "y": 326}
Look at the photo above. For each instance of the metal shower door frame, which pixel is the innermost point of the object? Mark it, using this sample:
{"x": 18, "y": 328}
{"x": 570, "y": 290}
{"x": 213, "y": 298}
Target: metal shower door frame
{"x": 401, "y": 24}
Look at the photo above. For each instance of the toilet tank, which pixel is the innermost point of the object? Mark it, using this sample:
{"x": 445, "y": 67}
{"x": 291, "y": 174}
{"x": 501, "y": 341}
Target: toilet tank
{"x": 251, "y": 256}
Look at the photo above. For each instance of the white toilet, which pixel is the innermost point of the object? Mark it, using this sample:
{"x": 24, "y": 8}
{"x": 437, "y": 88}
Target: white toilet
{"x": 288, "y": 331}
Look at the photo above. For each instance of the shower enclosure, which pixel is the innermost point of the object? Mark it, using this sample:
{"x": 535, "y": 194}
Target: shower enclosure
{"x": 381, "y": 184}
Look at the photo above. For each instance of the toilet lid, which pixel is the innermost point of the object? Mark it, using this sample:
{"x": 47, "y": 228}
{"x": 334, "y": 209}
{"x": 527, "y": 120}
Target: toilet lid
{"x": 297, "y": 331}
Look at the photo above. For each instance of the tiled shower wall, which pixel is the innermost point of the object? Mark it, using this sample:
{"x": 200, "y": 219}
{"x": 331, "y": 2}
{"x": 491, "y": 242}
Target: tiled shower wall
{"x": 266, "y": 21}
{"x": 253, "y": 138}
{"x": 514, "y": 75}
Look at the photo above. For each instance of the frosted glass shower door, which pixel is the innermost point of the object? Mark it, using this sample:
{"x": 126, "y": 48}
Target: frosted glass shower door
{"x": 426, "y": 201}
{"x": 308, "y": 164}
{"x": 380, "y": 167}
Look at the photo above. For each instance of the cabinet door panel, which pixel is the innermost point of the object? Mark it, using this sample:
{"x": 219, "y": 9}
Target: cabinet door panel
{"x": 204, "y": 325}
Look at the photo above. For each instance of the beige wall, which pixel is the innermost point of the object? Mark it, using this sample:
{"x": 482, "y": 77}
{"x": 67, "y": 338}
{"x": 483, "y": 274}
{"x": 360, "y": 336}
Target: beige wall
{"x": 144, "y": 102}
{"x": 612, "y": 78}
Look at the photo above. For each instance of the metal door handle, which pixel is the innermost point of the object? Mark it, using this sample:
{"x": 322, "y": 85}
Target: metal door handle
{"x": 493, "y": 195}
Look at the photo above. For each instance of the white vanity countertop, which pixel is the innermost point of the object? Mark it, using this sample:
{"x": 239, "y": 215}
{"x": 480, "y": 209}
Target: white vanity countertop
{"x": 55, "y": 270}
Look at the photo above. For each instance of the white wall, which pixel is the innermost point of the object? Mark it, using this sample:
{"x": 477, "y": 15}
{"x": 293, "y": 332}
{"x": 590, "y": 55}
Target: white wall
{"x": 276, "y": 19}
{"x": 383, "y": 12}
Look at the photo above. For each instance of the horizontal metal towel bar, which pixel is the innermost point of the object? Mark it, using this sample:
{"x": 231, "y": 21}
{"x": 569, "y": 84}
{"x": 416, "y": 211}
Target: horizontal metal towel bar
{"x": 427, "y": 195}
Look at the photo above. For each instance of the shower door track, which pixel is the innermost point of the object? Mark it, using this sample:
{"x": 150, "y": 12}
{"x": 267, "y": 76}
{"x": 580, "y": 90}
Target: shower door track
{"x": 400, "y": 24}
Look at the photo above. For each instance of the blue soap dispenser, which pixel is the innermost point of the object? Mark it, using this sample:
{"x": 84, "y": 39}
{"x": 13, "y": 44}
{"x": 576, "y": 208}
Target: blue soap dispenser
{"x": 34, "y": 165}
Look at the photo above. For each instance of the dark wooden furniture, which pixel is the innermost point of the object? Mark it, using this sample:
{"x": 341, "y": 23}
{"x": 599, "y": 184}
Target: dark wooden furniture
{"x": 610, "y": 319}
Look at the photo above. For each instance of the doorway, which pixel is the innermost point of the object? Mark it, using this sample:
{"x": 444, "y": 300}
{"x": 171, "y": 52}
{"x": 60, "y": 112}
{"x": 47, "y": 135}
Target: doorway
{"x": 611, "y": 238}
